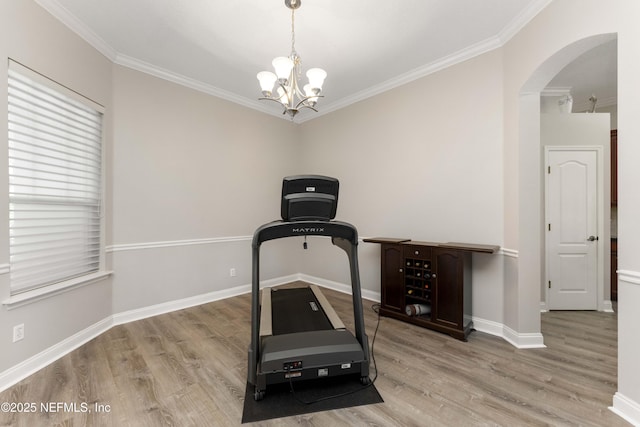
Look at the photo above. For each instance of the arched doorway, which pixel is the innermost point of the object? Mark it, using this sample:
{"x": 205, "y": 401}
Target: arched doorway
{"x": 530, "y": 188}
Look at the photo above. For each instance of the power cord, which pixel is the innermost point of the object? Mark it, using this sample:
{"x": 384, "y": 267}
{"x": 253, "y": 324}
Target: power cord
{"x": 376, "y": 309}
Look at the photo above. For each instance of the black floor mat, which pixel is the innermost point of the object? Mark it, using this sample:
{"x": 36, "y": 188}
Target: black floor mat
{"x": 280, "y": 402}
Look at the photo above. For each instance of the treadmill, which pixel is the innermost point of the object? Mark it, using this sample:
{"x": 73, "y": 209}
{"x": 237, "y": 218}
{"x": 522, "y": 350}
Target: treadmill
{"x": 295, "y": 333}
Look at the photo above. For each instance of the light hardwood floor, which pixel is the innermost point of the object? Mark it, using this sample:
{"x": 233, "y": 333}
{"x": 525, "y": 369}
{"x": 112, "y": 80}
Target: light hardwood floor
{"x": 189, "y": 368}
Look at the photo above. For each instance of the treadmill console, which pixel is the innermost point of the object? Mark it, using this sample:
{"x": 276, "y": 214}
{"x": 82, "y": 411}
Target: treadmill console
{"x": 309, "y": 198}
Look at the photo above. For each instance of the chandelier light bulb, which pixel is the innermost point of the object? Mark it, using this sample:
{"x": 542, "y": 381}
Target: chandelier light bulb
{"x": 316, "y": 78}
{"x": 283, "y": 67}
{"x": 267, "y": 79}
{"x": 311, "y": 94}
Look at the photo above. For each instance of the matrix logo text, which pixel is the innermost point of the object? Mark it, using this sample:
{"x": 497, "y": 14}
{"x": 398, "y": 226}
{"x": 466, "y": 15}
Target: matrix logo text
{"x": 308, "y": 230}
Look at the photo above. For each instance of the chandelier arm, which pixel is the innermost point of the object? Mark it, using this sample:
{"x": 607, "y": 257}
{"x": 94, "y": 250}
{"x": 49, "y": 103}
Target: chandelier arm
{"x": 264, "y": 98}
{"x": 278, "y": 101}
{"x": 307, "y": 106}
{"x": 289, "y": 91}
{"x": 305, "y": 99}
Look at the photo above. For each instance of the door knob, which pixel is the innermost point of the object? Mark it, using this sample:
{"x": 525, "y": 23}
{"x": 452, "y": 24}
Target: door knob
{"x": 592, "y": 238}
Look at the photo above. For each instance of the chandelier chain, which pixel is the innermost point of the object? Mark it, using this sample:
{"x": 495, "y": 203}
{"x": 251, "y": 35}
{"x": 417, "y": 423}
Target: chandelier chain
{"x": 293, "y": 32}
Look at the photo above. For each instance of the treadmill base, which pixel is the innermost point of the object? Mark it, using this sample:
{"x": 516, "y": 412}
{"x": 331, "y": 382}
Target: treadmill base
{"x": 309, "y": 355}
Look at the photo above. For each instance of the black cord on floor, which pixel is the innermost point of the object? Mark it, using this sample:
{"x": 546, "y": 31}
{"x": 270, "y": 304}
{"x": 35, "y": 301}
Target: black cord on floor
{"x": 376, "y": 309}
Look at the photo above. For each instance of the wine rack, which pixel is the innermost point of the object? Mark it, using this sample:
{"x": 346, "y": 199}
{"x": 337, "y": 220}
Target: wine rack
{"x": 417, "y": 281}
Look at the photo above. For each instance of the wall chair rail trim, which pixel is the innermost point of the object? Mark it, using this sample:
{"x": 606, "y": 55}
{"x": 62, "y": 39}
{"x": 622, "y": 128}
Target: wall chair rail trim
{"x": 629, "y": 276}
{"x": 174, "y": 243}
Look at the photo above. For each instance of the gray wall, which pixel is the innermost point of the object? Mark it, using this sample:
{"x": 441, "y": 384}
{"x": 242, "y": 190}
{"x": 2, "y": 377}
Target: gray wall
{"x": 451, "y": 156}
{"x": 424, "y": 162}
{"x": 192, "y": 177}
{"x": 32, "y": 37}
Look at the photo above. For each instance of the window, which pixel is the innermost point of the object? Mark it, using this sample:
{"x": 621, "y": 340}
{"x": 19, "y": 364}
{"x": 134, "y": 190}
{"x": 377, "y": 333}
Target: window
{"x": 55, "y": 186}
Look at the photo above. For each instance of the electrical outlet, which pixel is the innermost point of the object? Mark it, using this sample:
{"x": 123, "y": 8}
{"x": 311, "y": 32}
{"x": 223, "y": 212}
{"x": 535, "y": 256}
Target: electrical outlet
{"x": 232, "y": 272}
{"x": 18, "y": 332}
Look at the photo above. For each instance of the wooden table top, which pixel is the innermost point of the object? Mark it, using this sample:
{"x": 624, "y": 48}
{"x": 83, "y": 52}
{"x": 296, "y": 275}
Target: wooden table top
{"x": 472, "y": 247}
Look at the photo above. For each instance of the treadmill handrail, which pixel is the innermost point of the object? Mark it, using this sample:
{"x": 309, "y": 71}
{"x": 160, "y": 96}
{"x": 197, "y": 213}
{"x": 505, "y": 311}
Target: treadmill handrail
{"x": 280, "y": 229}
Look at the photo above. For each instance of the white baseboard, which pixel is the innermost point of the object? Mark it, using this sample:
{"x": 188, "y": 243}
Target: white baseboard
{"x": 488, "y": 327}
{"x": 607, "y": 306}
{"x": 543, "y": 307}
{"x": 337, "y": 286}
{"x": 626, "y": 408}
{"x": 518, "y": 340}
{"x": 622, "y": 406}
{"x": 523, "y": 340}
{"x": 22, "y": 370}
{"x": 33, "y": 364}
{"x": 167, "y": 307}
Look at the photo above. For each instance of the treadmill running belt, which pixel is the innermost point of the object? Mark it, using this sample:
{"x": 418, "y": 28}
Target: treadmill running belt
{"x": 296, "y": 310}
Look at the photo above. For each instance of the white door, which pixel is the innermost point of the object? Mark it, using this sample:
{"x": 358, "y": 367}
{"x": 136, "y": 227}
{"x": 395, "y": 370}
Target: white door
{"x": 572, "y": 236}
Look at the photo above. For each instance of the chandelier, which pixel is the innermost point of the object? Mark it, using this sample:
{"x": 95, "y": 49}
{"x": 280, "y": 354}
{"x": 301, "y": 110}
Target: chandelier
{"x": 287, "y": 72}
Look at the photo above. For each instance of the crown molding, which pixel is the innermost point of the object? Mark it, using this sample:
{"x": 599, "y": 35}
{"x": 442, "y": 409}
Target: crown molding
{"x": 83, "y": 31}
{"x": 522, "y": 19}
{"x": 147, "y": 68}
{"x": 415, "y": 74}
{"x": 556, "y": 91}
{"x": 462, "y": 55}
{"x": 77, "y": 26}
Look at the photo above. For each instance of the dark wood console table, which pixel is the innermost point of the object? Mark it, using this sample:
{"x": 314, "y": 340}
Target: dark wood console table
{"x": 428, "y": 284}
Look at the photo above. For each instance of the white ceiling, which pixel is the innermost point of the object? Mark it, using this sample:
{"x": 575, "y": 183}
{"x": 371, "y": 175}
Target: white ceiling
{"x": 366, "y": 46}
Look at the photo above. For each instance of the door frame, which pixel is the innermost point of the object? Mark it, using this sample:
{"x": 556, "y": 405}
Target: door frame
{"x": 600, "y": 206}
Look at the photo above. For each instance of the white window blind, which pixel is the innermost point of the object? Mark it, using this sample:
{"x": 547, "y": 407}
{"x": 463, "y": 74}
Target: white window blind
{"x": 55, "y": 159}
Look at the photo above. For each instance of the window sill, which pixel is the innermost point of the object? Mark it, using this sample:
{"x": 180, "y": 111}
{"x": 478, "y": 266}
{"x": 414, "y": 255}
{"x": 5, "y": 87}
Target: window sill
{"x": 35, "y": 295}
